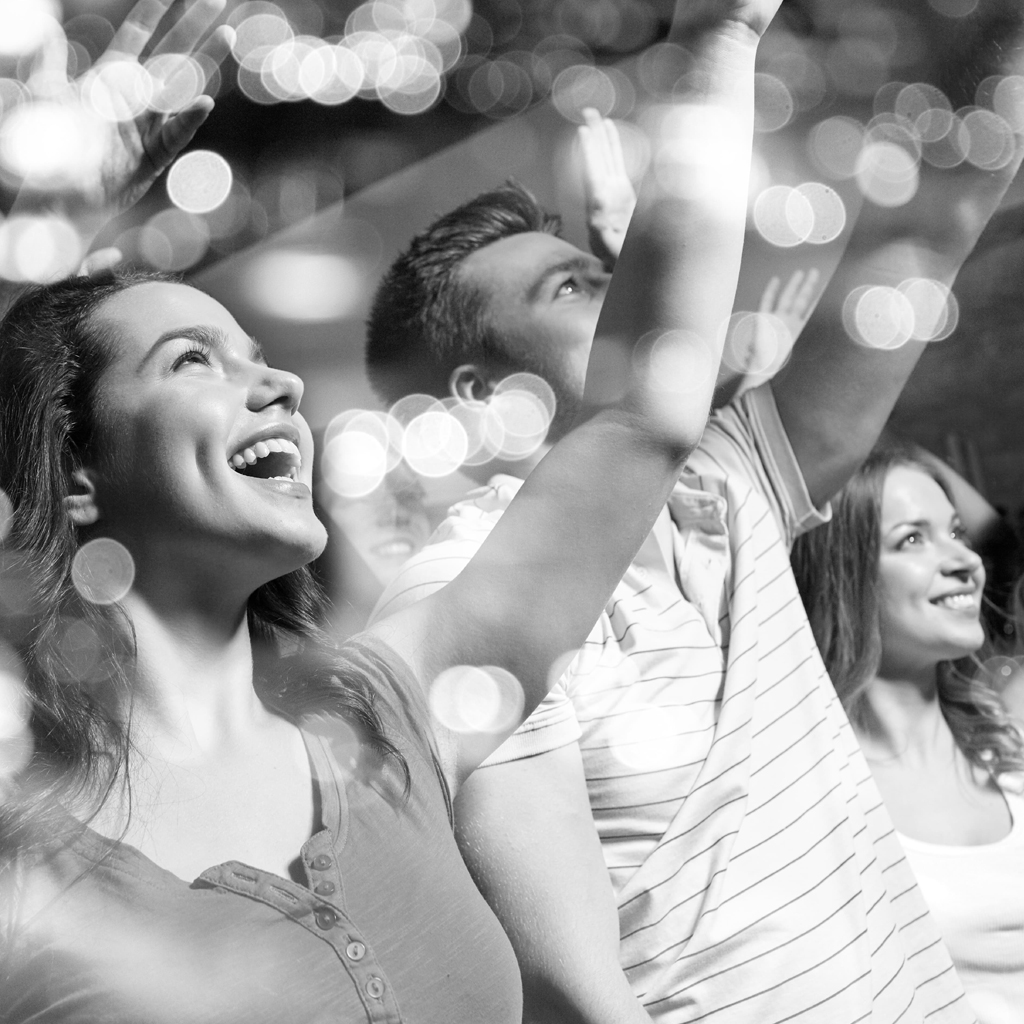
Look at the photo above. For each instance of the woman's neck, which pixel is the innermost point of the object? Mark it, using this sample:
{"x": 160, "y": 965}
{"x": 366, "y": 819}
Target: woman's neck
{"x": 903, "y": 718}
{"x": 192, "y": 680}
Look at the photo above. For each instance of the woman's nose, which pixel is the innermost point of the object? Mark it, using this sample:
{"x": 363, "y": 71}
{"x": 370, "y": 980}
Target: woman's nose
{"x": 962, "y": 558}
{"x": 275, "y": 387}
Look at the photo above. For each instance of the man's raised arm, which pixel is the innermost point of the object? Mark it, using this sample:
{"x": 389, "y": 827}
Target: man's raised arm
{"x": 541, "y": 579}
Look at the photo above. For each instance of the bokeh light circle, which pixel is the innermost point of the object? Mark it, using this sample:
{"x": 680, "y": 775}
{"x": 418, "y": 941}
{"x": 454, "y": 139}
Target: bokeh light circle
{"x": 380, "y": 425}
{"x": 408, "y": 407}
{"x": 936, "y": 311}
{"x": 39, "y": 249}
{"x": 774, "y": 106}
{"x": 199, "y": 181}
{"x": 1008, "y": 101}
{"x": 174, "y": 240}
{"x": 829, "y": 212}
{"x": 16, "y": 742}
{"x": 103, "y": 571}
{"x": 524, "y": 421}
{"x": 477, "y": 699}
{"x": 178, "y": 79}
{"x": 118, "y": 90}
{"x": 26, "y": 24}
{"x": 435, "y": 443}
{"x": 878, "y": 317}
{"x": 354, "y": 463}
{"x": 52, "y": 145}
{"x": 679, "y": 363}
{"x": 991, "y": 144}
{"x": 582, "y": 86}
{"x": 835, "y": 146}
{"x": 783, "y": 216}
{"x": 756, "y": 344}
{"x": 304, "y": 285}
{"x": 887, "y": 174}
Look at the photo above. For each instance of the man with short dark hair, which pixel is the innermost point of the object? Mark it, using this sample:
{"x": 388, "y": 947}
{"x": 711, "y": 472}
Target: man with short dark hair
{"x": 694, "y": 753}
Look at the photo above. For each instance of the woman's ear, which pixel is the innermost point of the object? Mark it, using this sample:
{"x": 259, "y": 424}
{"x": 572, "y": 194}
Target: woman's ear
{"x": 470, "y": 383}
{"x": 80, "y": 504}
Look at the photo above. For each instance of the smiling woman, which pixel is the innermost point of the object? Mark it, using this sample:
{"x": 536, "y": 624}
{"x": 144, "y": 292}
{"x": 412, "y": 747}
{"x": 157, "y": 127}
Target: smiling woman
{"x": 308, "y": 792}
{"x": 894, "y": 591}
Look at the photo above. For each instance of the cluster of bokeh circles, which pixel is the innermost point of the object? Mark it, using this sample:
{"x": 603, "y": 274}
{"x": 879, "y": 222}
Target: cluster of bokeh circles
{"x": 395, "y": 51}
{"x": 436, "y": 437}
{"x": 490, "y": 58}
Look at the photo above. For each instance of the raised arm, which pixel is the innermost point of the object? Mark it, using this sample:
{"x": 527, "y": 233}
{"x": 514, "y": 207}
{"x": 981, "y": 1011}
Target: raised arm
{"x": 836, "y": 394}
{"x": 136, "y": 150}
{"x": 539, "y": 582}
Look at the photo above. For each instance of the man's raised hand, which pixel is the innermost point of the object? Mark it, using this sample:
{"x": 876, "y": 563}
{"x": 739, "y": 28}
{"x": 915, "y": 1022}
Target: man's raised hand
{"x": 610, "y": 196}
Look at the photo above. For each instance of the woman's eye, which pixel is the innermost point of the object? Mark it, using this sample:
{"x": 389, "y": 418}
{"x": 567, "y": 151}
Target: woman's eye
{"x": 911, "y": 540}
{"x": 960, "y": 534}
{"x": 192, "y": 355}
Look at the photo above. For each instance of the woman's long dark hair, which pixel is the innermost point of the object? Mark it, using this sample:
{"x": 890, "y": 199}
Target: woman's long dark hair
{"x": 52, "y": 355}
{"x": 836, "y": 569}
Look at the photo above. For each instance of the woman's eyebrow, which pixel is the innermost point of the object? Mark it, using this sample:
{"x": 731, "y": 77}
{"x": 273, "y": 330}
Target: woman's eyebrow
{"x": 205, "y": 335}
{"x": 917, "y": 524}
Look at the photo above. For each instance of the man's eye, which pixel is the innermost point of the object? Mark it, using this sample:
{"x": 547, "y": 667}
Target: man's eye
{"x": 569, "y": 287}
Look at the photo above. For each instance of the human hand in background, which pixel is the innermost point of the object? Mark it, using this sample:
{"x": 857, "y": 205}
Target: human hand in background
{"x": 610, "y": 196}
{"x": 141, "y": 113}
{"x": 756, "y": 352}
{"x": 794, "y": 304}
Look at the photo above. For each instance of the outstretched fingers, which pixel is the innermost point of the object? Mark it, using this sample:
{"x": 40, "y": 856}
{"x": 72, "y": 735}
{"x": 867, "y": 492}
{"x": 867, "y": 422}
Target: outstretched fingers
{"x": 216, "y": 48}
{"x": 804, "y": 300}
{"x": 190, "y": 27}
{"x": 787, "y": 299}
{"x": 137, "y": 29}
{"x": 771, "y": 290}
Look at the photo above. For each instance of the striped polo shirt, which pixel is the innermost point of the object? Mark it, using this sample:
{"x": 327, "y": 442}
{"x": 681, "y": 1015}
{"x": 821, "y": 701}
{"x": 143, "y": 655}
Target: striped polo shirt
{"x": 757, "y": 874}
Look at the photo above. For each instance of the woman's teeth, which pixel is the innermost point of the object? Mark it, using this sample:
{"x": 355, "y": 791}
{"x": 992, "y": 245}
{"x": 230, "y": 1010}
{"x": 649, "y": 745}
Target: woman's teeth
{"x": 261, "y": 449}
{"x": 957, "y": 601}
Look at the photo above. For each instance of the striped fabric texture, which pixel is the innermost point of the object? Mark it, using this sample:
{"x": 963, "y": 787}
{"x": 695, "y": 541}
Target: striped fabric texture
{"x": 757, "y": 874}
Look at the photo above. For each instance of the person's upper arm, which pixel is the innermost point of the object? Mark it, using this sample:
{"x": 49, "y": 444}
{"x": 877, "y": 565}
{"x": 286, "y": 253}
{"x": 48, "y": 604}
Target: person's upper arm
{"x": 526, "y": 832}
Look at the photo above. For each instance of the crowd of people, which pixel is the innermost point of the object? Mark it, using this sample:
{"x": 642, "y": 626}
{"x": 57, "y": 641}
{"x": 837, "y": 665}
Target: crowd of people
{"x": 753, "y": 773}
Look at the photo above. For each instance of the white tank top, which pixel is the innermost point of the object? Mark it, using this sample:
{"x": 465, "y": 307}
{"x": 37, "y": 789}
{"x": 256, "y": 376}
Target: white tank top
{"x": 976, "y": 895}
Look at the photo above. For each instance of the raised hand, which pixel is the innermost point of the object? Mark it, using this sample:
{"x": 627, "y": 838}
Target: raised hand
{"x": 140, "y": 148}
{"x": 793, "y": 306}
{"x": 609, "y": 193}
{"x": 137, "y": 140}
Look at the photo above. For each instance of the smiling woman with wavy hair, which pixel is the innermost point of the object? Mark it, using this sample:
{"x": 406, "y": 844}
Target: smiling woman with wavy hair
{"x": 893, "y": 590}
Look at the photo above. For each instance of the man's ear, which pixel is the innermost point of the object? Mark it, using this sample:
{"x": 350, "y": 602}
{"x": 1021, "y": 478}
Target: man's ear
{"x": 470, "y": 383}
{"x": 80, "y": 503}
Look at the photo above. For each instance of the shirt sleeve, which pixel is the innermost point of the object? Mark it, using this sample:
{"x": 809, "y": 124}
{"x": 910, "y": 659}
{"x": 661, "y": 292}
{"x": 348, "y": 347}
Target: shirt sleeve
{"x": 553, "y": 722}
{"x": 746, "y": 439}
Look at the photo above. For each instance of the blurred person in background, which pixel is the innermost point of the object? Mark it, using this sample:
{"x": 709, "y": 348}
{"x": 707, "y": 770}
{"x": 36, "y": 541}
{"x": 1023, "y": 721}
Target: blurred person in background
{"x": 230, "y": 818}
{"x": 893, "y": 588}
{"x": 371, "y": 538}
{"x": 686, "y": 827}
